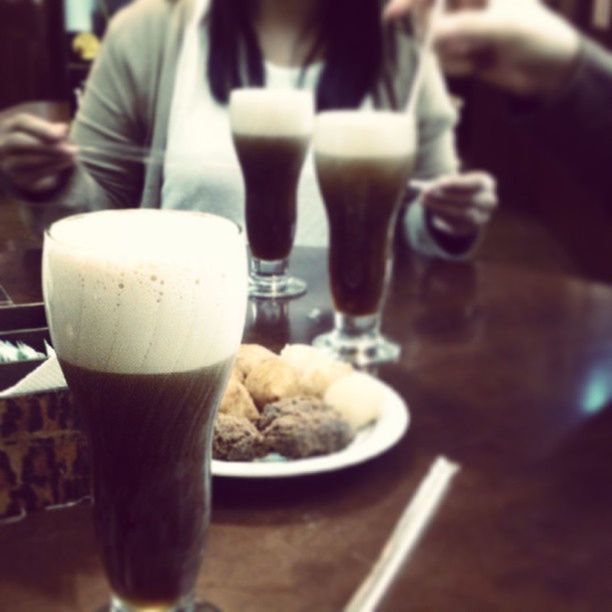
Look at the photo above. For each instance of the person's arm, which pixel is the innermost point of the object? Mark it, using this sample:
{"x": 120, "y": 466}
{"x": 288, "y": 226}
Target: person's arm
{"x": 520, "y": 46}
{"x": 107, "y": 125}
{"x": 446, "y": 218}
{"x": 575, "y": 124}
{"x": 561, "y": 82}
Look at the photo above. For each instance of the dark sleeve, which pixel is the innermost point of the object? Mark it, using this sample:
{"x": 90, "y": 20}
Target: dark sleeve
{"x": 576, "y": 127}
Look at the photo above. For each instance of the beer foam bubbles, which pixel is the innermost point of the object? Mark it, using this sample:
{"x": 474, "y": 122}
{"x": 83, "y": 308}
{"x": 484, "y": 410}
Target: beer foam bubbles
{"x": 271, "y": 112}
{"x": 364, "y": 134}
{"x": 145, "y": 291}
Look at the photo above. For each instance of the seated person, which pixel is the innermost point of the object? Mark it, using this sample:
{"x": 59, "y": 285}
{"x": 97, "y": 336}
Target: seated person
{"x": 559, "y": 80}
{"x": 162, "y": 82}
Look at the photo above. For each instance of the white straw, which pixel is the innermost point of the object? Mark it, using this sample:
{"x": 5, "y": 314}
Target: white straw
{"x": 402, "y": 541}
{"x": 424, "y": 55}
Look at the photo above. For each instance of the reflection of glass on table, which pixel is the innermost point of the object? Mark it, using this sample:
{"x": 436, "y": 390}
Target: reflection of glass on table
{"x": 271, "y": 131}
{"x": 363, "y": 163}
{"x": 146, "y": 310}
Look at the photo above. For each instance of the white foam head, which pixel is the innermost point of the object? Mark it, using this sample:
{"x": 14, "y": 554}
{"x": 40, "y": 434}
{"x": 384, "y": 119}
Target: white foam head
{"x": 271, "y": 112}
{"x": 364, "y": 134}
{"x": 145, "y": 291}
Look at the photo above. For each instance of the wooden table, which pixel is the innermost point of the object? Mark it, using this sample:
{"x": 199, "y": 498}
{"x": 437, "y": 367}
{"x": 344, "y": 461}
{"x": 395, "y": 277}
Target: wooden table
{"x": 507, "y": 371}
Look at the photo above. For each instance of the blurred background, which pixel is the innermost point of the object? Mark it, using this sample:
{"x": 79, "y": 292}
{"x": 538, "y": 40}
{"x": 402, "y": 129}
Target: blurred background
{"x": 548, "y": 220}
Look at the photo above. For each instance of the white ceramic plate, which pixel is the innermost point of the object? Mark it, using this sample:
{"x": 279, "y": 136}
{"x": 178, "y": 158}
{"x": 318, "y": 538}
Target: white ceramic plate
{"x": 369, "y": 443}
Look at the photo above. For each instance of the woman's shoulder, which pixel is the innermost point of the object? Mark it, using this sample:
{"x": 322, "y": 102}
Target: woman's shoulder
{"x": 144, "y": 18}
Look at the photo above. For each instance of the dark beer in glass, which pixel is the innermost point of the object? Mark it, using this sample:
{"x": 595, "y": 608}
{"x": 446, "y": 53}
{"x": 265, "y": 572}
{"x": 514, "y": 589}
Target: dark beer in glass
{"x": 271, "y": 131}
{"x": 146, "y": 311}
{"x": 363, "y": 163}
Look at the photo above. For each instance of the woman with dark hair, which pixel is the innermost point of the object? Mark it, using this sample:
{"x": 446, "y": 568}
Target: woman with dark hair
{"x": 162, "y": 82}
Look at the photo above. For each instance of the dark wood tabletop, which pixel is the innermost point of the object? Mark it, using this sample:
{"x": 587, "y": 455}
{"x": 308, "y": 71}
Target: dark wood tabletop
{"x": 507, "y": 371}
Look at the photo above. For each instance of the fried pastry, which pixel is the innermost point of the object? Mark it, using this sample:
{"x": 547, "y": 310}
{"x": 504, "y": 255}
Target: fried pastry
{"x": 248, "y": 356}
{"x": 236, "y": 439}
{"x": 302, "y": 427}
{"x": 317, "y": 370}
{"x": 271, "y": 380}
{"x": 237, "y": 400}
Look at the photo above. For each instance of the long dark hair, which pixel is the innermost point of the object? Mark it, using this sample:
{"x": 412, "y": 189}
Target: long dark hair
{"x": 350, "y": 36}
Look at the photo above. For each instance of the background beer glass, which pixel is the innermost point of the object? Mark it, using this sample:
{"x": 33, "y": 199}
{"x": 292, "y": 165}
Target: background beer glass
{"x": 363, "y": 164}
{"x": 146, "y": 310}
{"x": 271, "y": 131}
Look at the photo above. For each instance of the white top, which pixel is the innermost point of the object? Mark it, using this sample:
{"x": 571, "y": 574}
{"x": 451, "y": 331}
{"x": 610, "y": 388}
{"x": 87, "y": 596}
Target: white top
{"x": 202, "y": 172}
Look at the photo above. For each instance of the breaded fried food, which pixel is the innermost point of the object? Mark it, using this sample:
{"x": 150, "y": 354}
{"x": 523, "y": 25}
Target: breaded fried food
{"x": 248, "y": 356}
{"x": 237, "y": 400}
{"x": 316, "y": 368}
{"x": 236, "y": 439}
{"x": 358, "y": 397}
{"x": 300, "y": 404}
{"x": 302, "y": 427}
{"x": 271, "y": 380}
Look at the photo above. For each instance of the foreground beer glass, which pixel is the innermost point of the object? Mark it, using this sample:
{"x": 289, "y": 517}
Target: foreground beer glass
{"x": 271, "y": 131}
{"x": 363, "y": 163}
{"x": 146, "y": 311}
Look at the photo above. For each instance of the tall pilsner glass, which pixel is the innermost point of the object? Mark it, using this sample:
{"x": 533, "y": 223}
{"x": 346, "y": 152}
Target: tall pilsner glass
{"x": 146, "y": 310}
{"x": 271, "y": 131}
{"x": 363, "y": 163}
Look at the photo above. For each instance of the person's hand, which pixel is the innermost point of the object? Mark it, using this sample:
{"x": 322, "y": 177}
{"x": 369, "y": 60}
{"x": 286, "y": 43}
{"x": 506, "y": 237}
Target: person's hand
{"x": 34, "y": 153}
{"x": 518, "y": 45}
{"x": 460, "y": 205}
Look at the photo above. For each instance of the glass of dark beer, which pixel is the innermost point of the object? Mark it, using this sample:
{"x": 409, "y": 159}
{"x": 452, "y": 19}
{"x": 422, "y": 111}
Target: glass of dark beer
{"x": 146, "y": 311}
{"x": 271, "y": 130}
{"x": 363, "y": 162}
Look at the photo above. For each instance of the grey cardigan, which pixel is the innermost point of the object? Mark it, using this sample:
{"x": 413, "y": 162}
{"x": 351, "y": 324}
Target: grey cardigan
{"x": 127, "y": 103}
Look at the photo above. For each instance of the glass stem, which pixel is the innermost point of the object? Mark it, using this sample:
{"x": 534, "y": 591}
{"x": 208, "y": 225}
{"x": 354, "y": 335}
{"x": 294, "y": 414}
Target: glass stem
{"x": 270, "y": 275}
{"x": 356, "y": 328}
{"x": 269, "y": 269}
{"x": 187, "y": 605}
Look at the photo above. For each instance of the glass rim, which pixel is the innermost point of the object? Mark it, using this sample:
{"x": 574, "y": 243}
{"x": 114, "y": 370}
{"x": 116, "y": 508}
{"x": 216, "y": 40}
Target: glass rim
{"x": 48, "y": 232}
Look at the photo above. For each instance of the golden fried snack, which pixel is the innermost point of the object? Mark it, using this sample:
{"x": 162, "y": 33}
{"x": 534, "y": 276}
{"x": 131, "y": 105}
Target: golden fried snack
{"x": 271, "y": 380}
{"x": 248, "y": 356}
{"x": 237, "y": 401}
{"x": 317, "y": 369}
{"x": 236, "y": 439}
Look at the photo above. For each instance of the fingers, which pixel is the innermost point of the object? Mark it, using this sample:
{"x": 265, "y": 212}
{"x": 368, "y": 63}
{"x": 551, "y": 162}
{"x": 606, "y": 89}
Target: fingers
{"x": 40, "y": 185}
{"x": 34, "y": 168}
{"x": 464, "y": 184}
{"x": 21, "y": 143}
{"x": 34, "y": 152}
{"x": 482, "y": 201}
{"x": 461, "y": 204}
{"x": 453, "y": 226}
{"x": 397, "y": 9}
{"x": 37, "y": 127}
{"x": 29, "y": 162}
{"x": 473, "y": 216}
{"x": 459, "y": 5}
{"x": 463, "y": 33}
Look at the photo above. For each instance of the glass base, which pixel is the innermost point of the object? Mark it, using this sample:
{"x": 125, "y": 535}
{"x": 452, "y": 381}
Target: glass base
{"x": 118, "y": 606}
{"x": 269, "y": 280}
{"x": 276, "y": 288}
{"x": 358, "y": 341}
